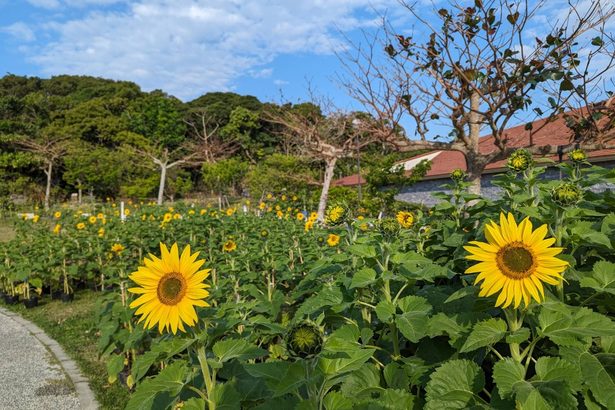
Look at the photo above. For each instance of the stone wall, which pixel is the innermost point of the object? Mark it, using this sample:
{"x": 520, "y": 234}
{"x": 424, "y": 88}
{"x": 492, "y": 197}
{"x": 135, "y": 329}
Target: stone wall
{"x": 422, "y": 191}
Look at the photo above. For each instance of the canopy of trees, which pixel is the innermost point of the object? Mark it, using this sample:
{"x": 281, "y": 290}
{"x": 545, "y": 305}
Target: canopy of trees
{"x": 104, "y": 138}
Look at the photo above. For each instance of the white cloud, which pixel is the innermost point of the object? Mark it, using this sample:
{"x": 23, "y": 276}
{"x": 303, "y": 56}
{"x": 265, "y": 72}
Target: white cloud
{"x": 19, "y": 30}
{"x": 188, "y": 47}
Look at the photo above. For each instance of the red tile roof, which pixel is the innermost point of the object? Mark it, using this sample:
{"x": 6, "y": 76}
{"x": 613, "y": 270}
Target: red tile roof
{"x": 552, "y": 133}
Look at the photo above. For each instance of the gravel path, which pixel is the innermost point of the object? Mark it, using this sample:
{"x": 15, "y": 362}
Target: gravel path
{"x": 31, "y": 377}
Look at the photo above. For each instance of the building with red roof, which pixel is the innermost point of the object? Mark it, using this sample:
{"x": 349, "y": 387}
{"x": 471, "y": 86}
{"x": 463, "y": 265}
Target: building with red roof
{"x": 551, "y": 133}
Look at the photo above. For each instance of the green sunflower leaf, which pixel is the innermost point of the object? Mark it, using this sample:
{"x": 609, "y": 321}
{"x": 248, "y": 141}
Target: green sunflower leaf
{"x": 485, "y": 333}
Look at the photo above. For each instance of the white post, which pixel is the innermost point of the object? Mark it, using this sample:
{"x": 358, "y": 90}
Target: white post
{"x": 245, "y": 209}
{"x": 122, "y": 215}
{"x": 380, "y": 215}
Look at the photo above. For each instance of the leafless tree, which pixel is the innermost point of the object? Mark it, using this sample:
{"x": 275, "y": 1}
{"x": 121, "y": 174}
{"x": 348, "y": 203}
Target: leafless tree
{"x": 477, "y": 71}
{"x": 327, "y": 138}
{"x": 48, "y": 149}
{"x": 204, "y": 133}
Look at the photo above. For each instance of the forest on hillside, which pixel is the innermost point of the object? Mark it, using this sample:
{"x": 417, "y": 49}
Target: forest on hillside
{"x": 109, "y": 139}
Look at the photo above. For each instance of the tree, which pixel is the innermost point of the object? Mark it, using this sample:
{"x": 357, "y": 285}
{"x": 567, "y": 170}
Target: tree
{"x": 158, "y": 133}
{"x": 224, "y": 175}
{"x": 475, "y": 70}
{"x": 202, "y": 127}
{"x": 324, "y": 137}
{"x": 40, "y": 136}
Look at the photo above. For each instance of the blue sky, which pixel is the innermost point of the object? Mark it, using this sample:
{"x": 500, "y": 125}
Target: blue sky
{"x": 268, "y": 48}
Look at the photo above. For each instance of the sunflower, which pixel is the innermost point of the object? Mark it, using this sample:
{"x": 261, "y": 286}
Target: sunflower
{"x": 309, "y": 225}
{"x": 101, "y": 232}
{"x": 57, "y": 229}
{"x": 117, "y": 248}
{"x": 335, "y": 215}
{"x": 405, "y": 219}
{"x": 516, "y": 260}
{"x": 229, "y": 246}
{"x": 333, "y": 239}
{"x": 169, "y": 288}
{"x": 80, "y": 226}
{"x": 57, "y": 215}
{"x": 92, "y": 219}
{"x": 300, "y": 216}
{"x": 167, "y": 217}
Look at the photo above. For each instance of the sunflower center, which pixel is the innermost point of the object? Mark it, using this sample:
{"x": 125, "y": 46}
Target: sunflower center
{"x": 516, "y": 261}
{"x": 171, "y": 288}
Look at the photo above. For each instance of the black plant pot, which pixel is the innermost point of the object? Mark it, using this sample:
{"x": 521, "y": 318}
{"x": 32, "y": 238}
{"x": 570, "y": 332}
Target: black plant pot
{"x": 30, "y": 303}
{"x": 56, "y": 295}
{"x": 11, "y": 300}
{"x": 67, "y": 297}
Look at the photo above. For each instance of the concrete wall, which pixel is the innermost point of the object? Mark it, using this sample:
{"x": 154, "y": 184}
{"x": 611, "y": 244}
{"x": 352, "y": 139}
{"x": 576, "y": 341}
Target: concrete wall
{"x": 422, "y": 191}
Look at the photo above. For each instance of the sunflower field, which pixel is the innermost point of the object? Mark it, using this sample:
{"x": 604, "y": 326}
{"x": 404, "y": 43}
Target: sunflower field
{"x": 474, "y": 303}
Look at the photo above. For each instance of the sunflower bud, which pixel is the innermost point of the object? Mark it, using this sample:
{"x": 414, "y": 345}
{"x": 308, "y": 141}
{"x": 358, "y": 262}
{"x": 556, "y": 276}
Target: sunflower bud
{"x": 577, "y": 156}
{"x": 304, "y": 340}
{"x": 458, "y": 175}
{"x": 388, "y": 227}
{"x": 520, "y": 160}
{"x": 566, "y": 194}
{"x": 336, "y": 215}
{"x": 264, "y": 233}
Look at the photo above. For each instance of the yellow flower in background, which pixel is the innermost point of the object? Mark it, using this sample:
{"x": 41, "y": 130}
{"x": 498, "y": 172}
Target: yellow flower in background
{"x": 230, "y": 211}
{"x": 191, "y": 212}
{"x": 309, "y": 225}
{"x": 278, "y": 208}
{"x": 92, "y": 219}
{"x": 101, "y": 232}
{"x": 405, "y": 219}
{"x": 169, "y": 288}
{"x": 300, "y": 216}
{"x": 177, "y": 216}
{"x": 335, "y": 215}
{"x": 202, "y": 211}
{"x": 80, "y": 226}
{"x": 283, "y": 197}
{"x": 515, "y": 261}
{"x": 117, "y": 248}
{"x": 360, "y": 217}
{"x": 262, "y": 206}
{"x": 280, "y": 214}
{"x": 229, "y": 246}
{"x": 57, "y": 229}
{"x": 143, "y": 217}
{"x": 167, "y": 217}
{"x": 35, "y": 218}
{"x": 57, "y": 214}
{"x": 364, "y": 226}
{"x": 100, "y": 215}
{"x": 269, "y": 196}
{"x": 295, "y": 198}
{"x": 126, "y": 212}
{"x": 333, "y": 239}
{"x": 314, "y": 215}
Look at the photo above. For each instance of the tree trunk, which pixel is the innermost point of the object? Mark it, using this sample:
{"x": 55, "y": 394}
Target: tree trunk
{"x": 324, "y": 195}
{"x": 473, "y": 161}
{"x": 163, "y": 177}
{"x": 79, "y": 190}
{"x": 48, "y": 188}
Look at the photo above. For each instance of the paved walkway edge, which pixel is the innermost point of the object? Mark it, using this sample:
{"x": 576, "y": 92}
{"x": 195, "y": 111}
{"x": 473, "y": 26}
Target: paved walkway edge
{"x": 82, "y": 388}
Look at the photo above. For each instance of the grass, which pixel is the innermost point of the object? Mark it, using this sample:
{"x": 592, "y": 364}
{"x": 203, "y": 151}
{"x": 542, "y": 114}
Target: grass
{"x": 71, "y": 325}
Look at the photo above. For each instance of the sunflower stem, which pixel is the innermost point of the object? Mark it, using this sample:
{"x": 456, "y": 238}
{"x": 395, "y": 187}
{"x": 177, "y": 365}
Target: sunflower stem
{"x": 514, "y": 323}
{"x": 559, "y": 227}
{"x": 207, "y": 377}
